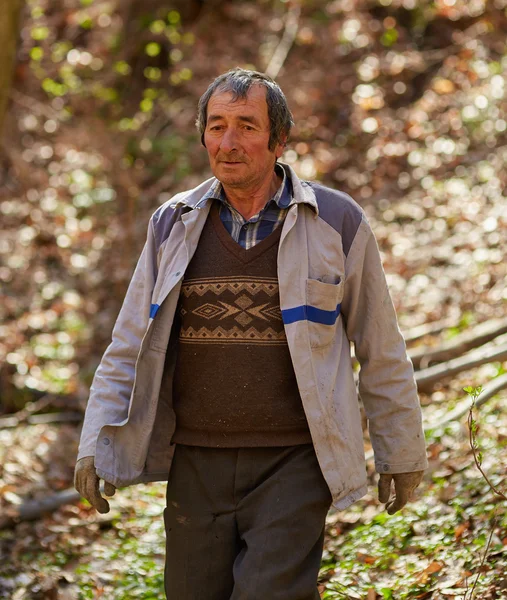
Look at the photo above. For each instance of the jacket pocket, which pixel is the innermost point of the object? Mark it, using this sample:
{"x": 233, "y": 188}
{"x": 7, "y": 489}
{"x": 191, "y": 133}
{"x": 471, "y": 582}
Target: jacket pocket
{"x": 323, "y": 310}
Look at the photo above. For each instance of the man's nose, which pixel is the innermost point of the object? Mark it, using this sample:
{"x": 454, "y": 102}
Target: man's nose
{"x": 229, "y": 141}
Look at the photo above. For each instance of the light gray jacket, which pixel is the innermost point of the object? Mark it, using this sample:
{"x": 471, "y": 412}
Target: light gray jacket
{"x": 332, "y": 291}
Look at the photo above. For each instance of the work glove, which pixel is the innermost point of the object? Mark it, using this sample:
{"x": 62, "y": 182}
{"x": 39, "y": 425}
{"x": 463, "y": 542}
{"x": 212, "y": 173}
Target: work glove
{"x": 86, "y": 482}
{"x": 404, "y": 486}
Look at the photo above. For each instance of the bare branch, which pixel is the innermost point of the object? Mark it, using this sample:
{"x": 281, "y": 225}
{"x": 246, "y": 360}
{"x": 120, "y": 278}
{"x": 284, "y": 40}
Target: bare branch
{"x": 428, "y": 377}
{"x": 479, "y": 335}
{"x": 283, "y": 48}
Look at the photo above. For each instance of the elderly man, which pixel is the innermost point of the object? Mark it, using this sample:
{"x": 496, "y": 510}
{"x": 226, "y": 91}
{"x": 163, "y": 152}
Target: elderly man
{"x": 229, "y": 371}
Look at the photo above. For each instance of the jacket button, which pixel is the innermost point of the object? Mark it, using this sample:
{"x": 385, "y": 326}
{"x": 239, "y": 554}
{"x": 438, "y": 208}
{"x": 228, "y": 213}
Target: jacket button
{"x": 177, "y": 273}
{"x": 106, "y": 441}
{"x": 386, "y": 467}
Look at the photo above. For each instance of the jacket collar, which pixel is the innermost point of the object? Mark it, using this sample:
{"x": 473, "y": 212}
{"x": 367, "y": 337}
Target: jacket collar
{"x": 302, "y": 192}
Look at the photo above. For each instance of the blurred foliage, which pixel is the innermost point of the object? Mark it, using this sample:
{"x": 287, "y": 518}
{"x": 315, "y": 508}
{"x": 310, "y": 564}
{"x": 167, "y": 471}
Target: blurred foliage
{"x": 399, "y": 103}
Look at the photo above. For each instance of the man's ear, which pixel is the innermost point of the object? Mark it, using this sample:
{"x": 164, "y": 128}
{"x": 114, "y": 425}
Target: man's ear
{"x": 202, "y": 140}
{"x": 280, "y": 147}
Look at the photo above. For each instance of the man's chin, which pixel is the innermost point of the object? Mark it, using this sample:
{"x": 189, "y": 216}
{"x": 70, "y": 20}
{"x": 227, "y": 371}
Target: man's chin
{"x": 231, "y": 180}
{"x": 228, "y": 177}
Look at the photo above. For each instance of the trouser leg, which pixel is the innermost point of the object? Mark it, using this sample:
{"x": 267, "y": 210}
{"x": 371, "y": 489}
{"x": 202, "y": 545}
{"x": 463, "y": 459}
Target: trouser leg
{"x": 244, "y": 524}
{"x": 201, "y": 534}
{"x": 281, "y": 518}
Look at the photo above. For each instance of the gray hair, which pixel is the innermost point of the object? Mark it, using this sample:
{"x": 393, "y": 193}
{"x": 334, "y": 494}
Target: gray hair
{"x": 238, "y": 82}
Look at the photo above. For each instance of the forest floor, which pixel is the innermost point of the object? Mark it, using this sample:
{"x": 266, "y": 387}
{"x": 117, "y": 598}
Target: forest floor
{"x": 433, "y": 549}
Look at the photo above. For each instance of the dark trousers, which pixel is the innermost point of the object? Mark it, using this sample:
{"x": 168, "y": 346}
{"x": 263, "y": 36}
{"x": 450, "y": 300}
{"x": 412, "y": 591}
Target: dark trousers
{"x": 244, "y": 523}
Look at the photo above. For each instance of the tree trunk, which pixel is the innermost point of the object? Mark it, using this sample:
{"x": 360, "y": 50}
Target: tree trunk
{"x": 9, "y": 29}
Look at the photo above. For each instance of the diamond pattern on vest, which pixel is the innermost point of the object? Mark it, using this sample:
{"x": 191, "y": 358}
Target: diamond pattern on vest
{"x": 248, "y": 311}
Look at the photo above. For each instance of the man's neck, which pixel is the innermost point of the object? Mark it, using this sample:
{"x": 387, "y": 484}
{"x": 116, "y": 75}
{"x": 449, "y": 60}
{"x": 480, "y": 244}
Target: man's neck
{"x": 249, "y": 202}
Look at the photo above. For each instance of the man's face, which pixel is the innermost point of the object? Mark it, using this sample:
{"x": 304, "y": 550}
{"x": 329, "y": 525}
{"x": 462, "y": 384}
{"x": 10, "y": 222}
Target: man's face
{"x": 237, "y": 138}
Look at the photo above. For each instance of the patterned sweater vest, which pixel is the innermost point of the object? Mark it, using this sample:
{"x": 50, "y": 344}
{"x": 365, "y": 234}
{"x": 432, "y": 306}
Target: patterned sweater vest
{"x": 234, "y": 383}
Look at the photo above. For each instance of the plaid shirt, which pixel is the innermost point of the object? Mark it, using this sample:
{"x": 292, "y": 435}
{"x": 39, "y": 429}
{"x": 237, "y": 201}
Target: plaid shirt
{"x": 249, "y": 232}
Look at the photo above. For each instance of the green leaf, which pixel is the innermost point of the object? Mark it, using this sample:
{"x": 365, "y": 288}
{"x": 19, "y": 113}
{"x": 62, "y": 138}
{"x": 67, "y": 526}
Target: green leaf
{"x": 152, "y": 49}
{"x": 173, "y": 17}
{"x": 389, "y": 37}
{"x": 36, "y": 53}
{"x": 146, "y": 105}
{"x": 157, "y": 26}
{"x": 39, "y": 33}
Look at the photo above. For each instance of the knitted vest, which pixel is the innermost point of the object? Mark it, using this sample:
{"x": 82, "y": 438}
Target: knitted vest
{"x": 234, "y": 383}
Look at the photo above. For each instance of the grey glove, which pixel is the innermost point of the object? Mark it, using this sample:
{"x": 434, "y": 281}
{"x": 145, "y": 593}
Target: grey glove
{"x": 404, "y": 486}
{"x": 86, "y": 482}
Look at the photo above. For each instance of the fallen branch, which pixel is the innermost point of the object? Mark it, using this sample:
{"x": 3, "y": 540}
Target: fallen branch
{"x": 34, "y": 509}
{"x": 490, "y": 390}
{"x": 60, "y": 417}
{"x": 428, "y": 377}
{"x": 483, "y": 333}
{"x": 26, "y": 411}
{"x": 416, "y": 333}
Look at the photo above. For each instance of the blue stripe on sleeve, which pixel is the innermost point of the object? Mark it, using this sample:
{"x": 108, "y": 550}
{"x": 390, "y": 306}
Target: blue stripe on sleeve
{"x": 310, "y": 313}
{"x": 153, "y": 310}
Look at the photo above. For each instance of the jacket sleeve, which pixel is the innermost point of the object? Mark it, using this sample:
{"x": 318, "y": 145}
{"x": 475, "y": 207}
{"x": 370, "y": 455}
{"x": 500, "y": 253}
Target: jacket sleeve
{"x": 114, "y": 379}
{"x": 386, "y": 379}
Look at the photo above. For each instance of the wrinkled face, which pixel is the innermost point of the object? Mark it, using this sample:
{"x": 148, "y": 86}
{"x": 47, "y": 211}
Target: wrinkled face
{"x": 237, "y": 138}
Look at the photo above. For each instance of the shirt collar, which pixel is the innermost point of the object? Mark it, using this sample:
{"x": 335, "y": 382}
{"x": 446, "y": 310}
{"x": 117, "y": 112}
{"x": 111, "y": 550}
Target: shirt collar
{"x": 283, "y": 197}
{"x": 299, "y": 192}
